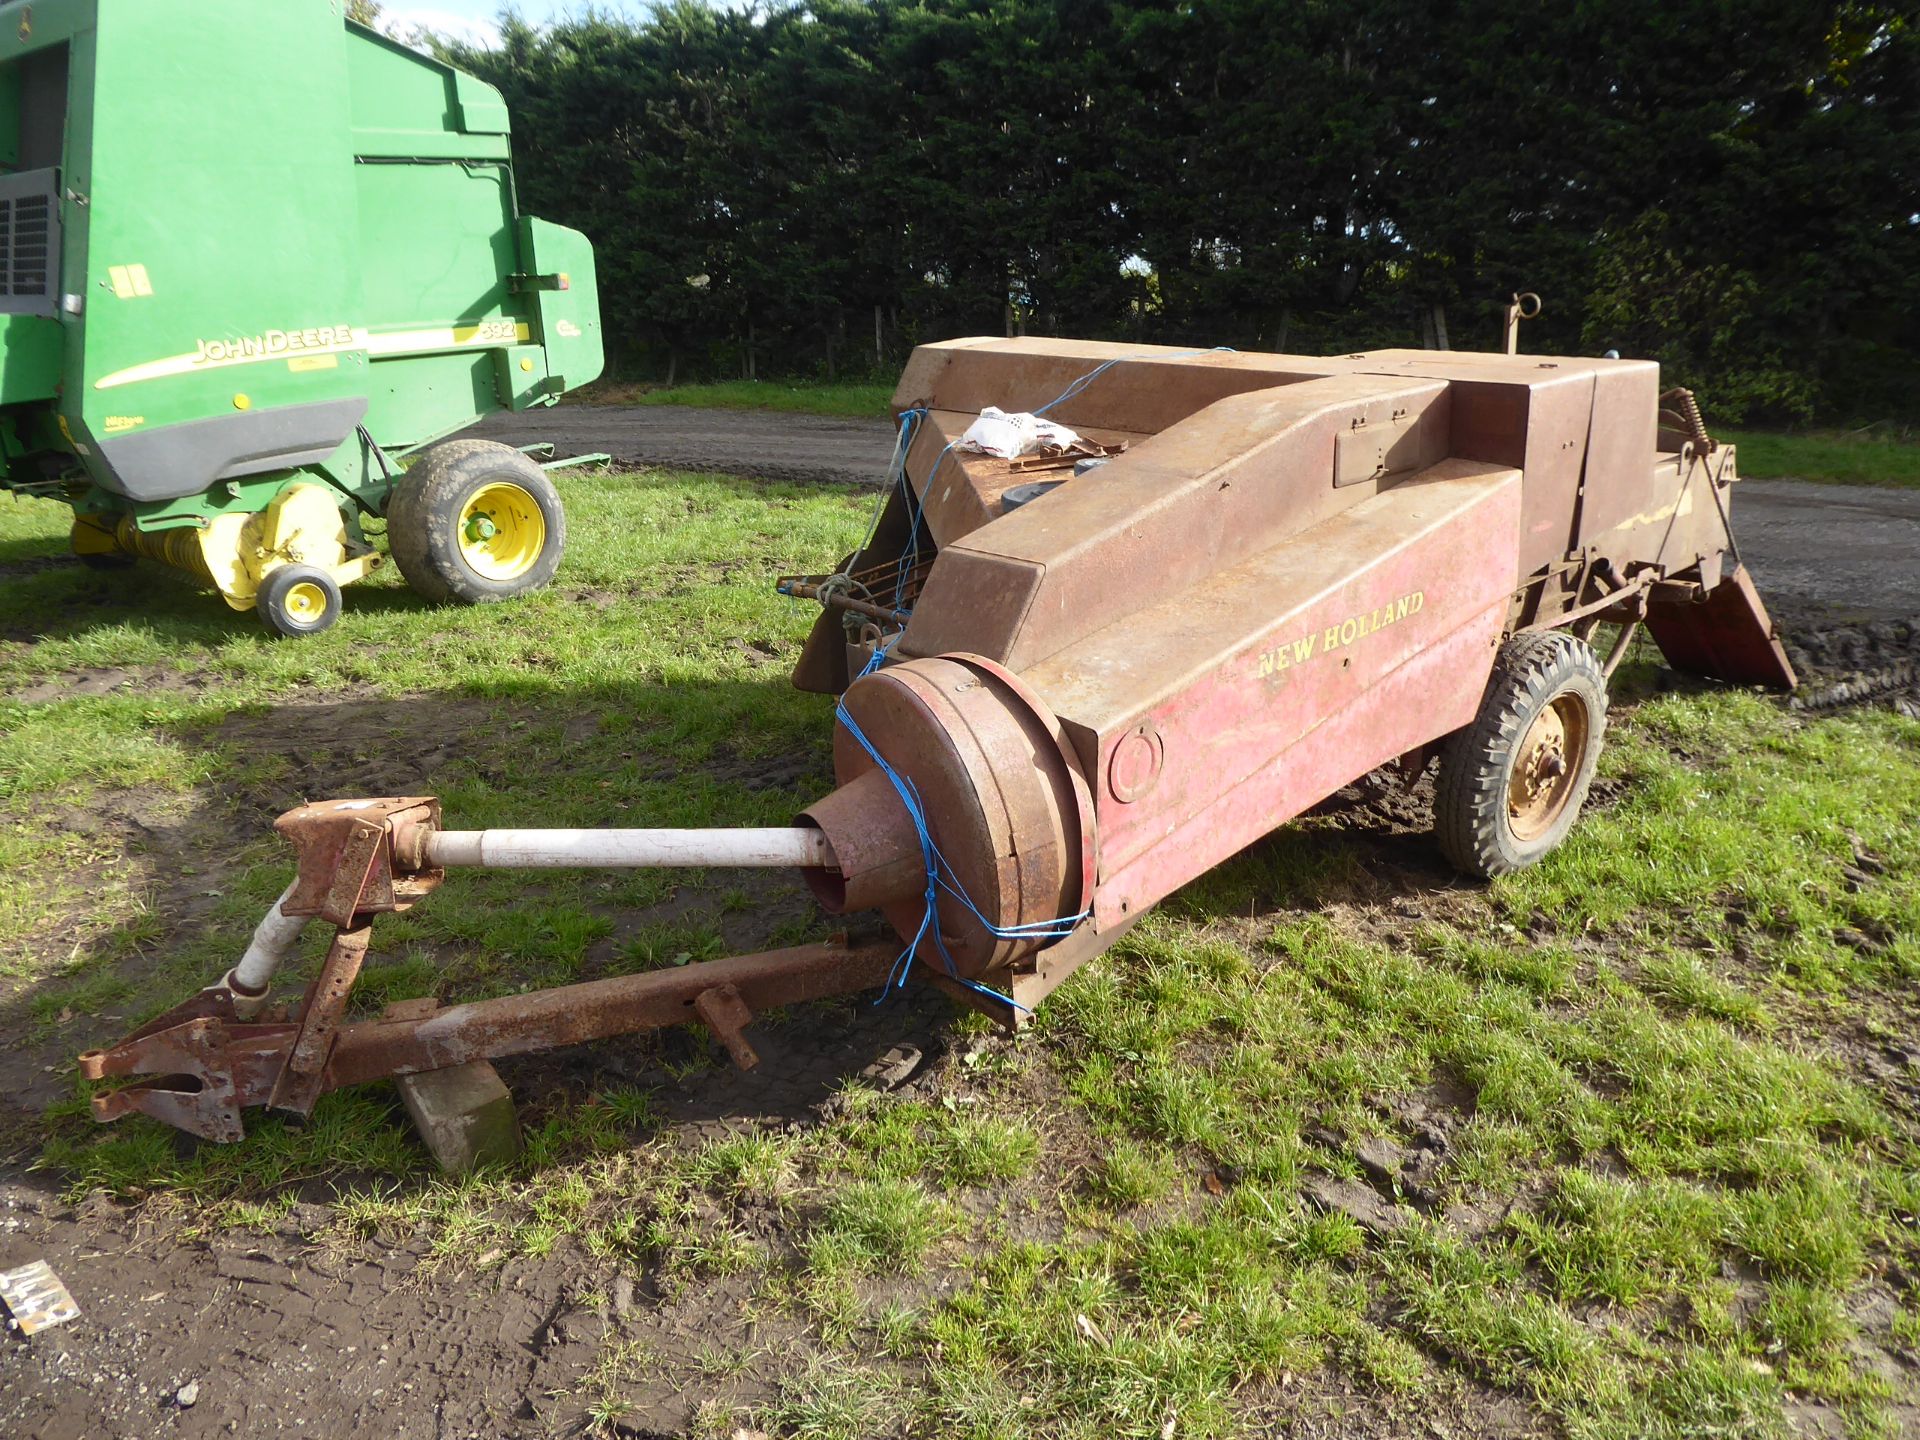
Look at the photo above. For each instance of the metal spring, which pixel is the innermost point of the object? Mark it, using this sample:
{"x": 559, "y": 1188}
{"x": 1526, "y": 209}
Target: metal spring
{"x": 1679, "y": 403}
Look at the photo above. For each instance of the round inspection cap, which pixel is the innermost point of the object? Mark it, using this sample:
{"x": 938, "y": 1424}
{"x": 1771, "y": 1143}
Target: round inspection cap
{"x": 1011, "y": 500}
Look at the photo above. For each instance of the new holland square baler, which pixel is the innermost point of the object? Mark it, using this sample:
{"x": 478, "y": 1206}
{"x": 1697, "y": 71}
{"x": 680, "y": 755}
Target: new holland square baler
{"x": 1056, "y": 710}
{"x": 252, "y": 257}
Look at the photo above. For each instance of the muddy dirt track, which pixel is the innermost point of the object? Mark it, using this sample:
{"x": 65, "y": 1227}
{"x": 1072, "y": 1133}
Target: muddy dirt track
{"x": 1814, "y": 549}
{"x": 763, "y": 444}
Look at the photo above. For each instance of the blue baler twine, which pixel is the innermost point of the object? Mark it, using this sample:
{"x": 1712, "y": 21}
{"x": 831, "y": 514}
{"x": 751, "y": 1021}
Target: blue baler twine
{"x": 941, "y": 876}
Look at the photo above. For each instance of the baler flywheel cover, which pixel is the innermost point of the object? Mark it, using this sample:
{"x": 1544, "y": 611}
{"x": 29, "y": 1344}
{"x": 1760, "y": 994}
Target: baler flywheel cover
{"x": 1009, "y": 814}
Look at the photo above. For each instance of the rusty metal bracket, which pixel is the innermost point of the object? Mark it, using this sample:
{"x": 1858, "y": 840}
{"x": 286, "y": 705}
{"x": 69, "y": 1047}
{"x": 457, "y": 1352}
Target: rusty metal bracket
{"x": 196, "y": 1052}
{"x": 359, "y": 857}
{"x": 1622, "y": 594}
{"x": 723, "y": 1012}
{"x": 236, "y": 1065}
{"x": 302, "y": 1078}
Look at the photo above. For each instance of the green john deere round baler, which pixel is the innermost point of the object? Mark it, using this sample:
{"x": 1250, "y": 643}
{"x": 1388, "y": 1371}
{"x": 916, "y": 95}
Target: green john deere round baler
{"x": 255, "y": 260}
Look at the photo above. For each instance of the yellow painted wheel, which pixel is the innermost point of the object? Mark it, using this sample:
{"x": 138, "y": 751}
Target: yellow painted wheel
{"x": 474, "y": 521}
{"x": 502, "y": 533}
{"x": 306, "y": 601}
{"x": 298, "y": 600}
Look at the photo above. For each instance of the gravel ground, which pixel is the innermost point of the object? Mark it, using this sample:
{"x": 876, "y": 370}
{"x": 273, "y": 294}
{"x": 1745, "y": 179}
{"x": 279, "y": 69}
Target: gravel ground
{"x": 1837, "y": 546}
{"x": 766, "y": 445}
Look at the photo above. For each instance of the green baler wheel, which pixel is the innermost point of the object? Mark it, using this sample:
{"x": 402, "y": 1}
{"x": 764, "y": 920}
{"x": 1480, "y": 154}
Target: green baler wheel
{"x": 475, "y": 521}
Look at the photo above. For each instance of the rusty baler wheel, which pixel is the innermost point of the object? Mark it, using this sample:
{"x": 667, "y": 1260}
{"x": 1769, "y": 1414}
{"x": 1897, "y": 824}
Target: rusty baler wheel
{"x": 1511, "y": 784}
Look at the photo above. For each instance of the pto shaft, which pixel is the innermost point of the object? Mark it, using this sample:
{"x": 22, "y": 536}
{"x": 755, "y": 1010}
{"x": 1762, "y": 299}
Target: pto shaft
{"x": 797, "y": 846}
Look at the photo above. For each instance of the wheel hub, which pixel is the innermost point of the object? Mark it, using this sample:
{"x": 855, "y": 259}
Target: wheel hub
{"x": 306, "y": 600}
{"x": 1545, "y": 765}
{"x": 502, "y": 532}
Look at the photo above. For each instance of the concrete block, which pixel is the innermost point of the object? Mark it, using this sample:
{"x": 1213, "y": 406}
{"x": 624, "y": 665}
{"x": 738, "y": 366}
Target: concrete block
{"x": 464, "y": 1115}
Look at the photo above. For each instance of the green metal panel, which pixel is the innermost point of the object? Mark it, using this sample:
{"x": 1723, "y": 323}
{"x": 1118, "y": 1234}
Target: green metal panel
{"x": 445, "y": 232}
{"x": 569, "y": 318}
{"x": 278, "y": 227}
{"x": 31, "y": 345}
{"x": 228, "y": 182}
{"x": 409, "y": 105}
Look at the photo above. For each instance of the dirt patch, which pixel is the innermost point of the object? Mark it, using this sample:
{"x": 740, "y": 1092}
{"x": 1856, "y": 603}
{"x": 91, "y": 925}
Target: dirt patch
{"x": 34, "y": 565}
{"x": 108, "y": 680}
{"x": 1875, "y": 663}
{"x": 352, "y": 743}
{"x": 279, "y": 1334}
{"x": 295, "y": 1330}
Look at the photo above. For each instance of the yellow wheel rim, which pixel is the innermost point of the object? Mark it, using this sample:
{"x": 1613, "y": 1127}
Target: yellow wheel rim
{"x": 502, "y": 532}
{"x": 305, "y": 601}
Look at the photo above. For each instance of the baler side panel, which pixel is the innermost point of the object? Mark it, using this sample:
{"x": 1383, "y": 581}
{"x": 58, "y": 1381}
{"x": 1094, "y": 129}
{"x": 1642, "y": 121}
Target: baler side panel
{"x": 228, "y": 208}
{"x": 1582, "y": 430}
{"x": 1424, "y": 699}
{"x": 1681, "y": 526}
{"x": 567, "y": 319}
{"x": 1620, "y": 451}
{"x": 406, "y": 105}
{"x": 1349, "y": 644}
{"x": 453, "y": 334}
{"x": 439, "y": 240}
{"x": 1230, "y": 481}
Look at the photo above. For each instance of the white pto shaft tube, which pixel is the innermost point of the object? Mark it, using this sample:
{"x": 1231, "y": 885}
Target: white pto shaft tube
{"x": 795, "y": 846}
{"x": 273, "y": 940}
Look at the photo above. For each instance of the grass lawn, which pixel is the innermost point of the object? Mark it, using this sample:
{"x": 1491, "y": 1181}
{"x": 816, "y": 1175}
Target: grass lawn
{"x": 1650, "y": 1106}
{"x": 1829, "y": 457}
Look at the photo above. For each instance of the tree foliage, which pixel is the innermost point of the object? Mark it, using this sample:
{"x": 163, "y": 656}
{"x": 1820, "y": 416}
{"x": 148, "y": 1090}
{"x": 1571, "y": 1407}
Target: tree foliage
{"x": 1729, "y": 188}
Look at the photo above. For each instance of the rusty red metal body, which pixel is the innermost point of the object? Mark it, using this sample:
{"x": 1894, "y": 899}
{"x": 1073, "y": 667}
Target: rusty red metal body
{"x": 1287, "y": 572}
{"x": 1298, "y": 570}
{"x": 1723, "y": 632}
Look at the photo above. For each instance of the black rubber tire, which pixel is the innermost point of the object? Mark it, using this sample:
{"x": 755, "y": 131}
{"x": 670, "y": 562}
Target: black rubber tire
{"x": 1470, "y": 801}
{"x": 282, "y": 616}
{"x": 423, "y": 518}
